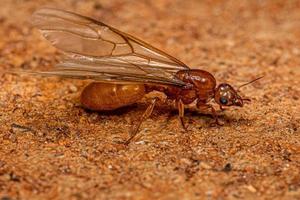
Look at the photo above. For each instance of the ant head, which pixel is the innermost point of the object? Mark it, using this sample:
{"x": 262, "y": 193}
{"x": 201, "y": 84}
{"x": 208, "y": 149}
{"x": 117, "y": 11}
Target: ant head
{"x": 226, "y": 95}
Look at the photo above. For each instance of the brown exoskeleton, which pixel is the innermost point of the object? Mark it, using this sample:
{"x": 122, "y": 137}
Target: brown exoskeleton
{"x": 125, "y": 68}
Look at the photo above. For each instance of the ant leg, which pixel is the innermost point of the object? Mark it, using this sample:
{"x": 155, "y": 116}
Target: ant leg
{"x": 215, "y": 116}
{"x": 180, "y": 107}
{"x": 202, "y": 105}
{"x": 145, "y": 115}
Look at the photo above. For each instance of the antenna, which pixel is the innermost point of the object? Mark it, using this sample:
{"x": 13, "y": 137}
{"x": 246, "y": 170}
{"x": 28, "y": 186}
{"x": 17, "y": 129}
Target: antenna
{"x": 249, "y": 82}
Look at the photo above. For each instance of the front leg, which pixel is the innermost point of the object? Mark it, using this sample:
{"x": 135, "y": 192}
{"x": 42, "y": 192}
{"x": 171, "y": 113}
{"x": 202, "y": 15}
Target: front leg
{"x": 204, "y": 106}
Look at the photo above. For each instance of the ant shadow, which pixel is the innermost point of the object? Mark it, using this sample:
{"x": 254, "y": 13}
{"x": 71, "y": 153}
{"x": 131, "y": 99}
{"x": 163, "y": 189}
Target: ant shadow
{"x": 115, "y": 112}
{"x": 192, "y": 115}
{"x": 195, "y": 117}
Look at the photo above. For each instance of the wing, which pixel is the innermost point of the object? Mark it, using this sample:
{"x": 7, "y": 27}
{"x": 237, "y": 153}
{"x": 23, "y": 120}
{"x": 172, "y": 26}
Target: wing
{"x": 97, "y": 51}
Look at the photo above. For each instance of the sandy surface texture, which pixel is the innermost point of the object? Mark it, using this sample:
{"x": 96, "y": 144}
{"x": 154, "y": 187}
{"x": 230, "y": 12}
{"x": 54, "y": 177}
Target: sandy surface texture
{"x": 52, "y": 148}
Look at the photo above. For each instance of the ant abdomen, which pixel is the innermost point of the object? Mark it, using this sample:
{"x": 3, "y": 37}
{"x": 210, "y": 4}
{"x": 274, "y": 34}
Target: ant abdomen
{"x": 108, "y": 96}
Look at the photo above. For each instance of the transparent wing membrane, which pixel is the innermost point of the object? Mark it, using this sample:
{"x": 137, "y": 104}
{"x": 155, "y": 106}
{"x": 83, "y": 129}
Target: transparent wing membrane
{"x": 103, "y": 53}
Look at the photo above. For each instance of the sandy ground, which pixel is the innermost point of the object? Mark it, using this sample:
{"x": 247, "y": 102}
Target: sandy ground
{"x": 51, "y": 148}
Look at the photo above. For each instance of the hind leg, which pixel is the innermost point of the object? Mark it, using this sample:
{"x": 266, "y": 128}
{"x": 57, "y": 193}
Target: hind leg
{"x": 145, "y": 116}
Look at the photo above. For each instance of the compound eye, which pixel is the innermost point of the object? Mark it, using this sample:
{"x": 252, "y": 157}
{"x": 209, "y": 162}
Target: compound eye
{"x": 223, "y": 100}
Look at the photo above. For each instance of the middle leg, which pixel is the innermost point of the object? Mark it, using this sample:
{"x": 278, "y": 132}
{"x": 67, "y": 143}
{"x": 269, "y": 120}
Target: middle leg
{"x": 180, "y": 107}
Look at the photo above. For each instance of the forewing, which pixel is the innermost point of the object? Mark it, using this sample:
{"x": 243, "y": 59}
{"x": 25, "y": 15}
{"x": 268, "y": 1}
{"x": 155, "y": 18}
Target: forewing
{"x": 94, "y": 47}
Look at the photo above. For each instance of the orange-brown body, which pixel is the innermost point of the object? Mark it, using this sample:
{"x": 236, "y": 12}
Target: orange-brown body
{"x": 108, "y": 96}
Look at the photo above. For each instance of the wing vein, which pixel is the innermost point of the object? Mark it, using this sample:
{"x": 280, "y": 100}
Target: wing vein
{"x": 97, "y": 49}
